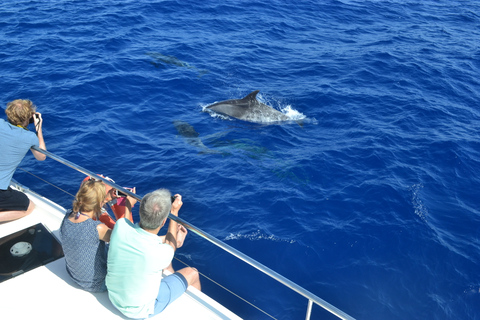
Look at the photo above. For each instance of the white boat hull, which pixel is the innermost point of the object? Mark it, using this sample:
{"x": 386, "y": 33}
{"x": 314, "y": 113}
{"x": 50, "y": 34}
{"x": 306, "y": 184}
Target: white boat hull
{"x": 48, "y": 291}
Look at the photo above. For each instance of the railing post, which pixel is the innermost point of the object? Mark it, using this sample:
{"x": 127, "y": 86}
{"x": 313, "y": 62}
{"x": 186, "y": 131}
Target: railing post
{"x": 309, "y": 309}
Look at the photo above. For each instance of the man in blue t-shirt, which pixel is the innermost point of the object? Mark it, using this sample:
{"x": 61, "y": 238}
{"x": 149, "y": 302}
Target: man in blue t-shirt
{"x": 15, "y": 141}
{"x": 137, "y": 256}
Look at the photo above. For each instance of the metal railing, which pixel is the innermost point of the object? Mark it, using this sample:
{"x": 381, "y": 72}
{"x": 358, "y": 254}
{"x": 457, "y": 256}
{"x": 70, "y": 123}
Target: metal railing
{"x": 290, "y": 284}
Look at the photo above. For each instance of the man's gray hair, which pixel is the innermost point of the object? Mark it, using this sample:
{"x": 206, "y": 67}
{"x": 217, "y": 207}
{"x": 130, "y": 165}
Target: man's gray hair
{"x": 154, "y": 208}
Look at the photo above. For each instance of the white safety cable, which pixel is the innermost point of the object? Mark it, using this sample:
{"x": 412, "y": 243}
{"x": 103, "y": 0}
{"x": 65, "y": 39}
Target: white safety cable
{"x": 231, "y": 292}
{"x": 47, "y": 182}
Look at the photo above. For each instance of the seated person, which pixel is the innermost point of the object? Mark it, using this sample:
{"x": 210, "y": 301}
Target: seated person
{"x": 15, "y": 141}
{"x": 137, "y": 256}
{"x": 83, "y": 238}
{"x": 117, "y": 204}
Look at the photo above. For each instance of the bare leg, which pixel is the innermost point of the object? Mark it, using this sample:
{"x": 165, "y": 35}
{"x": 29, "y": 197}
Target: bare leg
{"x": 192, "y": 276}
{"x": 6, "y": 216}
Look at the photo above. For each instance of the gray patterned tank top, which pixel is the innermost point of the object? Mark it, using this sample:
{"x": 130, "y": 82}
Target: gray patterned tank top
{"x": 85, "y": 253}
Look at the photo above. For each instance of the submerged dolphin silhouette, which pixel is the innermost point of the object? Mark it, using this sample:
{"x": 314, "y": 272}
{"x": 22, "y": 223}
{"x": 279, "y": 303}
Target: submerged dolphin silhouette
{"x": 162, "y": 59}
{"x": 248, "y": 109}
{"x": 222, "y": 146}
{"x": 192, "y": 137}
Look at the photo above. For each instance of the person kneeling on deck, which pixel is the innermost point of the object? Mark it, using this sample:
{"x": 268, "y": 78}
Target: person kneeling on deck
{"x": 137, "y": 256}
{"x": 15, "y": 140}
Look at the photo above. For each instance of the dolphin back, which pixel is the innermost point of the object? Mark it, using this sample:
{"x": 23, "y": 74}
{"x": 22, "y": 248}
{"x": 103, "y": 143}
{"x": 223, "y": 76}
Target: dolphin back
{"x": 248, "y": 109}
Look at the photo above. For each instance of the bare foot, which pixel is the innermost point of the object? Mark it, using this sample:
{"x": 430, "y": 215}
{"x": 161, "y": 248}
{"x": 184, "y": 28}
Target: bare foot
{"x": 181, "y": 234}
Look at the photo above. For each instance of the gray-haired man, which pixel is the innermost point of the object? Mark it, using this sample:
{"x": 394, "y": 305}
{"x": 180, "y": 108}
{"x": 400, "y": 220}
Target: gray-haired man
{"x": 137, "y": 256}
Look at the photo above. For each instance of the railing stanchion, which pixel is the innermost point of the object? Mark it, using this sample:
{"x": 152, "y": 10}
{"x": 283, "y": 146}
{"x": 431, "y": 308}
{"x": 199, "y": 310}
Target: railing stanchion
{"x": 309, "y": 309}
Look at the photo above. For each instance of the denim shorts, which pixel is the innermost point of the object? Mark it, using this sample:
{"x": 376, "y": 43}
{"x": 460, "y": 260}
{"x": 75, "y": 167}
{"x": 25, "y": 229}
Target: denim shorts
{"x": 171, "y": 288}
{"x": 13, "y": 200}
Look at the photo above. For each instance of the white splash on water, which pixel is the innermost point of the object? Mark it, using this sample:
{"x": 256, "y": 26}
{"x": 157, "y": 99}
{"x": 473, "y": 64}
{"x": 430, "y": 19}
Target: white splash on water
{"x": 257, "y": 235}
{"x": 420, "y": 209}
{"x": 292, "y": 113}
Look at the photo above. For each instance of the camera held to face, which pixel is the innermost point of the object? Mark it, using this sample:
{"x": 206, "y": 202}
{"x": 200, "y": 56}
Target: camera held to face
{"x": 32, "y": 119}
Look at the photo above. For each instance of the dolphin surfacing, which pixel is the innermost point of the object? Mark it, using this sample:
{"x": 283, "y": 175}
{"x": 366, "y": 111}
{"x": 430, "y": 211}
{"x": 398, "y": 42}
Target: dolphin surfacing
{"x": 248, "y": 109}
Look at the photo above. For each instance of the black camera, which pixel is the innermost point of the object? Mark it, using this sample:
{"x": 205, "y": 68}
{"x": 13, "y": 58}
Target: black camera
{"x": 173, "y": 198}
{"x": 120, "y": 194}
{"x": 32, "y": 119}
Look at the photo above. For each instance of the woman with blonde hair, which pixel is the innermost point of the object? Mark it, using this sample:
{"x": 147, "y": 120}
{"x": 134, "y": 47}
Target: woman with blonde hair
{"x": 84, "y": 238}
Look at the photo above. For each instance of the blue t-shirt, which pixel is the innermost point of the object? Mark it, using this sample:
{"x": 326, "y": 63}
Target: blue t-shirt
{"x": 85, "y": 253}
{"x": 14, "y": 145}
{"x": 136, "y": 259}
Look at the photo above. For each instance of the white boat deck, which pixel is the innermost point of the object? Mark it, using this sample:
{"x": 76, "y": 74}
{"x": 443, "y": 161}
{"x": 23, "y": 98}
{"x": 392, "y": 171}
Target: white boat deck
{"x": 48, "y": 291}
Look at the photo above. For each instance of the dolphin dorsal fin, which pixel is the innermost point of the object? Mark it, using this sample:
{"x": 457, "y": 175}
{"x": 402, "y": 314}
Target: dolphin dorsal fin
{"x": 251, "y": 96}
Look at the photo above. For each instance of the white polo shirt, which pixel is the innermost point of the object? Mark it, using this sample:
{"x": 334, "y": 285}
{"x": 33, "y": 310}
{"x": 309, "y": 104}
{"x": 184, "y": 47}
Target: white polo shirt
{"x": 134, "y": 268}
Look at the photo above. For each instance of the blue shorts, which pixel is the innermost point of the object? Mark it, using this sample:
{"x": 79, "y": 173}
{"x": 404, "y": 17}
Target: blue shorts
{"x": 13, "y": 200}
{"x": 171, "y": 288}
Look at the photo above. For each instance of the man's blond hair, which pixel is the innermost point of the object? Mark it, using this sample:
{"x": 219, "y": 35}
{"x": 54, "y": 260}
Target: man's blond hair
{"x": 19, "y": 111}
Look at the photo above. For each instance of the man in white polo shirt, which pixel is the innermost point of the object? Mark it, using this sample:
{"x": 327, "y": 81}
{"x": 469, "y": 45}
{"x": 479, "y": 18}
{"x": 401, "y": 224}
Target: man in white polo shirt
{"x": 137, "y": 256}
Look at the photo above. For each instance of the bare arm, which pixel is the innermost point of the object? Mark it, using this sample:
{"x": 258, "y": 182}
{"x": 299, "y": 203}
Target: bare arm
{"x": 104, "y": 232}
{"x": 171, "y": 236}
{"x": 129, "y": 203}
{"x": 41, "y": 142}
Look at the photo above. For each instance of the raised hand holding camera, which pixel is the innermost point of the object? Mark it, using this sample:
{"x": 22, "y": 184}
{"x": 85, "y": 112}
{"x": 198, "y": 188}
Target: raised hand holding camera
{"x": 176, "y": 204}
{"x": 120, "y": 194}
{"x": 37, "y": 120}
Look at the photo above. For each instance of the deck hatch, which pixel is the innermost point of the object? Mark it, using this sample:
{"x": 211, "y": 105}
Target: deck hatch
{"x": 27, "y": 249}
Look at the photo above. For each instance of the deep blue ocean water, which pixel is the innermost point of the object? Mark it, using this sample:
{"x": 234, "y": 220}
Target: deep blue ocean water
{"x": 372, "y": 204}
